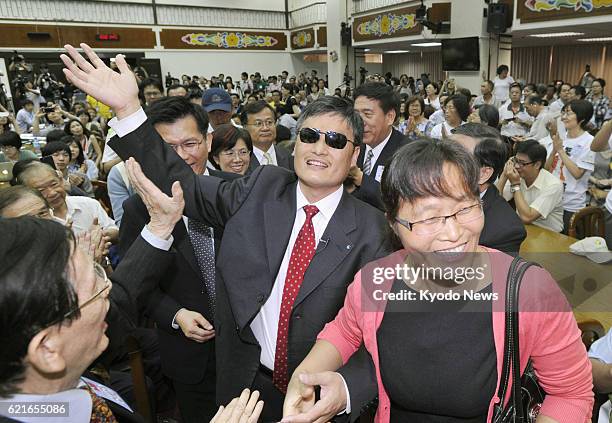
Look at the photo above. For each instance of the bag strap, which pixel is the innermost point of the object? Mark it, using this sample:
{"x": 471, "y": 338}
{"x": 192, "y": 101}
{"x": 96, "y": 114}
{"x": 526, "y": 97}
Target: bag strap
{"x": 505, "y": 376}
{"x": 518, "y": 267}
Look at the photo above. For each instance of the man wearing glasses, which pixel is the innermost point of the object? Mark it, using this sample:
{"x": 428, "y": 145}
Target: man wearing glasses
{"x": 538, "y": 195}
{"x": 182, "y": 306}
{"x": 292, "y": 242}
{"x": 259, "y": 118}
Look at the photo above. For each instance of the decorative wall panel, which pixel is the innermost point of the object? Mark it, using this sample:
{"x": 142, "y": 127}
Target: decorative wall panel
{"x": 224, "y": 40}
{"x": 304, "y": 38}
{"x": 389, "y": 24}
{"x": 547, "y": 10}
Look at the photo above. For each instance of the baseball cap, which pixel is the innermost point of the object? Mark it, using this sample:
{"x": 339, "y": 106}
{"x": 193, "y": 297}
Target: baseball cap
{"x": 594, "y": 248}
{"x": 216, "y": 99}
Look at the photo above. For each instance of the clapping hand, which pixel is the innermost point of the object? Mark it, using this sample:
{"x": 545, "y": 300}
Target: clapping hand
{"x": 117, "y": 90}
{"x": 557, "y": 143}
{"x": 244, "y": 409}
{"x": 164, "y": 211}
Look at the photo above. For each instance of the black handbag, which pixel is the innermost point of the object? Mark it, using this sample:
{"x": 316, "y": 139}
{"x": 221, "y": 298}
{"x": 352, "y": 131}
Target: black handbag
{"x": 527, "y": 395}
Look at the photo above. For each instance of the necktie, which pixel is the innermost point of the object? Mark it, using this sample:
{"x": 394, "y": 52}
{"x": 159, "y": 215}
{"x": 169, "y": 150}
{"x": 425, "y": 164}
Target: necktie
{"x": 301, "y": 255}
{"x": 100, "y": 413}
{"x": 367, "y": 164}
{"x": 202, "y": 241}
{"x": 268, "y": 158}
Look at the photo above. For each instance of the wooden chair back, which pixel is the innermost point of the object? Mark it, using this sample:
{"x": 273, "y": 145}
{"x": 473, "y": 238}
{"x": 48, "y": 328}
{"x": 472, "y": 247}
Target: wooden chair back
{"x": 588, "y": 221}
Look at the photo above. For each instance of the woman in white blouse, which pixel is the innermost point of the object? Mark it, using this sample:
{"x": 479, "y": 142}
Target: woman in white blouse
{"x": 456, "y": 112}
{"x": 432, "y": 98}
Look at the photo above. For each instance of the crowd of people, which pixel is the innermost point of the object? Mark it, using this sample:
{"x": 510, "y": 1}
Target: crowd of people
{"x": 232, "y": 228}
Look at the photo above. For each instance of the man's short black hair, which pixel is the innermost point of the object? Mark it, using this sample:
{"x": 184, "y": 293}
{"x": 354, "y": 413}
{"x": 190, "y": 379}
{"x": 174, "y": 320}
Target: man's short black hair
{"x": 534, "y": 99}
{"x": 54, "y": 147}
{"x": 489, "y": 115}
{"x": 175, "y": 87}
{"x": 151, "y": 81}
{"x": 26, "y": 102}
{"x": 55, "y": 135}
{"x": 601, "y": 81}
{"x": 490, "y": 149}
{"x": 342, "y": 107}
{"x": 34, "y": 289}
{"x": 387, "y": 97}
{"x": 171, "y": 109}
{"x": 502, "y": 68}
{"x": 580, "y": 91}
{"x": 534, "y": 150}
{"x": 254, "y": 108}
{"x": 10, "y": 138}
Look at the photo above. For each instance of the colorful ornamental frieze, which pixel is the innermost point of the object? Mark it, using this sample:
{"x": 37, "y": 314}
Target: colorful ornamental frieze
{"x": 302, "y": 39}
{"x": 229, "y": 40}
{"x": 387, "y": 24}
{"x": 577, "y": 5}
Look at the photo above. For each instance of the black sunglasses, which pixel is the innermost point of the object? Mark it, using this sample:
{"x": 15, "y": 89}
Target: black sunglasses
{"x": 333, "y": 139}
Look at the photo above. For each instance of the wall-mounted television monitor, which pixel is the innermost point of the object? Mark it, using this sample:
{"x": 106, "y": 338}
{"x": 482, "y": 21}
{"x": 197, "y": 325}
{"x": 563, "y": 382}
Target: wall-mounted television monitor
{"x": 460, "y": 54}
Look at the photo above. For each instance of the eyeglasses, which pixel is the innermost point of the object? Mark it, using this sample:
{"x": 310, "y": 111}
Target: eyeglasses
{"x": 333, "y": 139}
{"x": 188, "y": 146}
{"x": 434, "y": 225}
{"x": 7, "y": 147}
{"x": 520, "y": 163}
{"x": 238, "y": 153}
{"x": 100, "y": 275}
{"x": 262, "y": 123}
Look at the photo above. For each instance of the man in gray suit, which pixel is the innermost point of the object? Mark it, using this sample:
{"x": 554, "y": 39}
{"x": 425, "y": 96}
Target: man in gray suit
{"x": 292, "y": 242}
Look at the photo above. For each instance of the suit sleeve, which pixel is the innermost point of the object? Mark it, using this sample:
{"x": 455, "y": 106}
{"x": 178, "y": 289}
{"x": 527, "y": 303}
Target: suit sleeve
{"x": 161, "y": 307}
{"x": 360, "y": 377}
{"x": 370, "y": 192}
{"x": 137, "y": 276}
{"x": 208, "y": 199}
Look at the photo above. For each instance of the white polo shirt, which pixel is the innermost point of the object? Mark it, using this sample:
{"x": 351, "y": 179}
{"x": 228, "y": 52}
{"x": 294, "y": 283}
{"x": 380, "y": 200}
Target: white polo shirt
{"x": 545, "y": 196}
{"x": 83, "y": 211}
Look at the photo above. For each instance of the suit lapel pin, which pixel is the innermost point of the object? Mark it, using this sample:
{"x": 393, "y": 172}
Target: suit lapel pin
{"x": 348, "y": 247}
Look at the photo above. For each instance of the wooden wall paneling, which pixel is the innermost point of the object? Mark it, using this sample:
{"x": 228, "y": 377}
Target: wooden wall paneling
{"x": 128, "y": 37}
{"x": 15, "y": 35}
{"x": 440, "y": 12}
{"x": 322, "y": 36}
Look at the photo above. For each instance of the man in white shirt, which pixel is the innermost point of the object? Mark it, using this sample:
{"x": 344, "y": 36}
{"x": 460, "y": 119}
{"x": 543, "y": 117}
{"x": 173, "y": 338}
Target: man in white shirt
{"x": 80, "y": 212}
{"x": 537, "y": 194}
{"x": 514, "y": 119}
{"x": 25, "y": 116}
{"x": 564, "y": 98}
{"x": 542, "y": 117}
{"x": 259, "y": 118}
{"x": 486, "y": 95}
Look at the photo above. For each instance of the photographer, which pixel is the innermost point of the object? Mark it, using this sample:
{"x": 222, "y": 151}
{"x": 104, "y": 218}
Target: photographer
{"x": 55, "y": 117}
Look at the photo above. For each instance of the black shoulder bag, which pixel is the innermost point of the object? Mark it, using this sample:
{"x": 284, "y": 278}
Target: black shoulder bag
{"x": 527, "y": 395}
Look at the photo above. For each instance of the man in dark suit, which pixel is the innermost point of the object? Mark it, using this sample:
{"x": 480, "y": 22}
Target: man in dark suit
{"x": 182, "y": 305}
{"x": 259, "y": 118}
{"x": 378, "y": 105}
{"x": 503, "y": 229}
{"x": 292, "y": 242}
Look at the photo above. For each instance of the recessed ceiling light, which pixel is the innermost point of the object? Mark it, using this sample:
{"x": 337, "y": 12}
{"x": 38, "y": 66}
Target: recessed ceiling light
{"x": 595, "y": 39}
{"x": 396, "y": 51}
{"x": 557, "y": 34}
{"x": 433, "y": 44}
{"x": 367, "y": 49}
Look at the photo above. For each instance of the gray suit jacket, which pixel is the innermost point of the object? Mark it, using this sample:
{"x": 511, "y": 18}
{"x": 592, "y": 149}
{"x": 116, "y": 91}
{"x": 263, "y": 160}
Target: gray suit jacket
{"x": 257, "y": 214}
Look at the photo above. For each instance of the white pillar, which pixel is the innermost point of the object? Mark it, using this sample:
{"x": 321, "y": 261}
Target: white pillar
{"x": 336, "y": 14}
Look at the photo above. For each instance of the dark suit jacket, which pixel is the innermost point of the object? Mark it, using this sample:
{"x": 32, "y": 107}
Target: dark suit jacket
{"x": 369, "y": 191}
{"x": 180, "y": 286}
{"x": 283, "y": 158}
{"x": 503, "y": 229}
{"x": 257, "y": 214}
{"x": 134, "y": 280}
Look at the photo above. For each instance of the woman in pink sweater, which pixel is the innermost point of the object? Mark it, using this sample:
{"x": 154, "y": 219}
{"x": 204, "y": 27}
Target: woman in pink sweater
{"x": 436, "y": 340}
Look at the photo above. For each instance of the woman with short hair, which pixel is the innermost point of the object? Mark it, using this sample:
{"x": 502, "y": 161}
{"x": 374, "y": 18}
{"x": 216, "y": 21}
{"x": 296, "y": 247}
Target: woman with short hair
{"x": 456, "y": 112}
{"x": 415, "y": 124}
{"x": 442, "y": 360}
{"x": 10, "y": 146}
{"x": 88, "y": 141}
{"x": 231, "y": 149}
{"x": 431, "y": 98}
{"x": 600, "y": 102}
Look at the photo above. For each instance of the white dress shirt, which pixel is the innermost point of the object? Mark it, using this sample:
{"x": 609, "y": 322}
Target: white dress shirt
{"x": 376, "y": 152}
{"x": 265, "y": 324}
{"x": 82, "y": 211}
{"x": 260, "y": 155}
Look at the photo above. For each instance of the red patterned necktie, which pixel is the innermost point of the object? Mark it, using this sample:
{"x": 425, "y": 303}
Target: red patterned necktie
{"x": 301, "y": 255}
{"x": 100, "y": 413}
